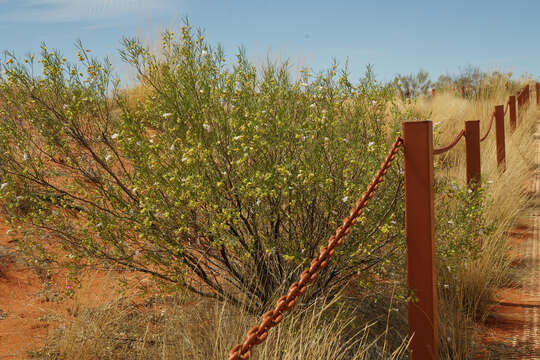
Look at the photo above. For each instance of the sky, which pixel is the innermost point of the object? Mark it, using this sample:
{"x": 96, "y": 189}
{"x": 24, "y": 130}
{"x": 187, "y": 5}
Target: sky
{"x": 395, "y": 37}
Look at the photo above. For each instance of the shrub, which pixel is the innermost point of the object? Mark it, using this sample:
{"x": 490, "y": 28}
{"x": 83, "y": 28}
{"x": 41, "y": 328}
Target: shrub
{"x": 411, "y": 86}
{"x": 221, "y": 179}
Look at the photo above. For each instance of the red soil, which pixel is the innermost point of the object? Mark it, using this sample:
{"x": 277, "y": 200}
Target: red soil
{"x": 31, "y": 306}
{"x": 512, "y": 330}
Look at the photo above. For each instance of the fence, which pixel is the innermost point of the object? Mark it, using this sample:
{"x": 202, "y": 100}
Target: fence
{"x": 417, "y": 142}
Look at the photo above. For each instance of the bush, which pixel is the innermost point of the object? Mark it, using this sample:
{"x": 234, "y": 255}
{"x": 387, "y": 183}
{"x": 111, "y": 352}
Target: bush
{"x": 221, "y": 179}
{"x": 411, "y": 86}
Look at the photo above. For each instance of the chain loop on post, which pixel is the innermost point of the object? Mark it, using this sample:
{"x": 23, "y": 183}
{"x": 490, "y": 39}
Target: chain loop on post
{"x": 489, "y": 127}
{"x": 257, "y": 334}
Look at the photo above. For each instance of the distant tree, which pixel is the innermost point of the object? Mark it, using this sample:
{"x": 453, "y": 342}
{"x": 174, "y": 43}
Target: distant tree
{"x": 413, "y": 85}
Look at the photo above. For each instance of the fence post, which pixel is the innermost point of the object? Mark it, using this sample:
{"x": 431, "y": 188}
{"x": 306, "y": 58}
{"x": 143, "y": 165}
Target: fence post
{"x": 512, "y": 111}
{"x": 420, "y": 234}
{"x": 433, "y": 92}
{"x": 472, "y": 154}
{"x": 537, "y": 93}
{"x": 462, "y": 91}
{"x": 499, "y": 136}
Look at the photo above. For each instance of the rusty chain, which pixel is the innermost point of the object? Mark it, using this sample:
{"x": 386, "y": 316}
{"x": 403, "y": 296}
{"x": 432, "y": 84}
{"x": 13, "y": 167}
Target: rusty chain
{"x": 259, "y": 333}
{"x": 451, "y": 145}
{"x": 489, "y": 127}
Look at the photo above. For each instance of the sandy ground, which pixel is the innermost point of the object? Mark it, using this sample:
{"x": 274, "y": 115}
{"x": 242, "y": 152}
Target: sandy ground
{"x": 513, "y": 328}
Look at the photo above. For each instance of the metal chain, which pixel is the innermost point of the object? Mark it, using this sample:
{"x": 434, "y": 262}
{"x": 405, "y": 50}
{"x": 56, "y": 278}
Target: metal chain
{"x": 451, "y": 145}
{"x": 259, "y": 333}
{"x": 489, "y": 127}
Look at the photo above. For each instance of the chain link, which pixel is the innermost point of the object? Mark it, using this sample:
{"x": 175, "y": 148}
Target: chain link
{"x": 259, "y": 333}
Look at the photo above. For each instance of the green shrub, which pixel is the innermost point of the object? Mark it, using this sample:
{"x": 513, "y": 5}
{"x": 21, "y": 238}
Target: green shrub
{"x": 220, "y": 178}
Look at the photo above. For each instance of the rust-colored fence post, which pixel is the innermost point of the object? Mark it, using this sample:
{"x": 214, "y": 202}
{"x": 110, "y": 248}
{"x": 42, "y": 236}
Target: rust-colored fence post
{"x": 420, "y": 234}
{"x": 537, "y": 93}
{"x": 519, "y": 98}
{"x": 512, "y": 111}
{"x": 432, "y": 92}
{"x": 472, "y": 154}
{"x": 499, "y": 136}
{"x": 462, "y": 91}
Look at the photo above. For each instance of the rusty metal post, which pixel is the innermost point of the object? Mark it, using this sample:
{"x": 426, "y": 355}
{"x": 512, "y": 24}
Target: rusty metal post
{"x": 472, "y": 154}
{"x": 433, "y": 92}
{"x": 499, "y": 136}
{"x": 512, "y": 111}
{"x": 420, "y": 234}
{"x": 537, "y": 93}
{"x": 462, "y": 90}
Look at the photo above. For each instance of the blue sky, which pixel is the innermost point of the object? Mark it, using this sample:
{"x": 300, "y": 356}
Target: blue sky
{"x": 394, "y": 36}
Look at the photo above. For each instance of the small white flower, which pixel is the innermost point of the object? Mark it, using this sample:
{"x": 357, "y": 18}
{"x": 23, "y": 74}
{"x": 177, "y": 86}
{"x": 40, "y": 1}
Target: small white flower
{"x": 3, "y": 186}
{"x": 263, "y": 112}
{"x": 450, "y": 222}
{"x": 326, "y": 139}
{"x": 204, "y": 53}
{"x": 345, "y": 198}
{"x": 393, "y": 222}
{"x": 312, "y": 105}
{"x": 469, "y": 191}
{"x": 345, "y": 140}
{"x": 437, "y": 123}
{"x": 66, "y": 106}
{"x": 137, "y": 253}
{"x": 446, "y": 286}
{"x": 18, "y": 198}
{"x": 99, "y": 225}
{"x": 114, "y": 136}
{"x": 371, "y": 143}
{"x": 183, "y": 179}
{"x": 374, "y": 102}
{"x": 258, "y": 202}
{"x": 236, "y": 138}
{"x": 490, "y": 182}
{"x": 108, "y": 157}
{"x": 453, "y": 187}
{"x": 206, "y": 127}
{"x": 166, "y": 115}
{"x": 201, "y": 91}
{"x": 172, "y": 147}
{"x": 183, "y": 159}
{"x": 25, "y": 156}
{"x": 151, "y": 141}
{"x": 395, "y": 309}
{"x": 449, "y": 339}
{"x": 303, "y": 137}
{"x": 480, "y": 232}
{"x": 9, "y": 232}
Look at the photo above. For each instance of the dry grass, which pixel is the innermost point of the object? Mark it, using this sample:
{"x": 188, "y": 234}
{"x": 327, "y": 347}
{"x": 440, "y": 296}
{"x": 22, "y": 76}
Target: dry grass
{"x": 206, "y": 330}
{"x": 463, "y": 301}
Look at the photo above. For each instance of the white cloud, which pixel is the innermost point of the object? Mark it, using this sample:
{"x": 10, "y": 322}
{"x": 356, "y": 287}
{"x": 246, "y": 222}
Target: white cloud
{"x": 57, "y": 11}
